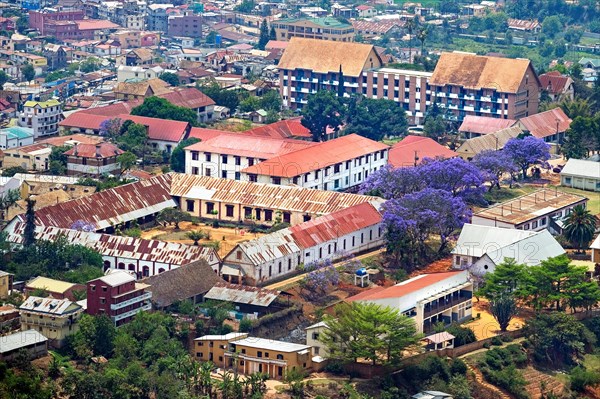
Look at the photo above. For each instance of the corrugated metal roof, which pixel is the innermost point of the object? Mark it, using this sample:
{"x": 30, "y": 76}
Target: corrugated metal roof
{"x": 49, "y": 284}
{"x": 269, "y": 196}
{"x": 269, "y": 247}
{"x": 484, "y": 124}
{"x": 21, "y": 339}
{"x": 581, "y": 168}
{"x": 242, "y": 294}
{"x": 111, "y": 207}
{"x": 403, "y": 152}
{"x": 172, "y": 253}
{"x": 51, "y": 306}
{"x": 546, "y": 123}
{"x": 492, "y": 141}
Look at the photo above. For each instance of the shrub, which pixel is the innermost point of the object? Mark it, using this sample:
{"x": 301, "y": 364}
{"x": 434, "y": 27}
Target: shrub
{"x": 458, "y": 367}
{"x": 508, "y": 378}
{"x": 245, "y": 325}
{"x": 496, "y": 341}
{"x": 462, "y": 335}
{"x": 335, "y": 367}
{"x": 487, "y": 345}
{"x": 582, "y": 378}
{"x": 506, "y": 338}
{"x": 199, "y": 327}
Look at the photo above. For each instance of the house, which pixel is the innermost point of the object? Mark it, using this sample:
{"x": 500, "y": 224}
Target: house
{"x": 326, "y": 28}
{"x": 480, "y": 248}
{"x": 41, "y": 116}
{"x": 12, "y": 137}
{"x": 475, "y": 126}
{"x": 56, "y": 56}
{"x": 56, "y": 319}
{"x": 190, "y": 282}
{"x": 366, "y": 11}
{"x": 117, "y": 295}
{"x": 136, "y": 57}
{"x": 249, "y": 301}
{"x": 93, "y": 160}
{"x": 488, "y": 142}
{"x": 348, "y": 231}
{"x": 252, "y": 355}
{"x": 54, "y": 288}
{"x": 34, "y": 343}
{"x": 595, "y": 247}
{"x": 141, "y": 90}
{"x": 30, "y": 157}
{"x": 590, "y": 63}
{"x": 372, "y": 29}
{"x": 412, "y": 150}
{"x": 6, "y": 281}
{"x": 536, "y": 211}
{"x": 139, "y": 256}
{"x": 285, "y": 129}
{"x": 581, "y": 174}
{"x": 263, "y": 204}
{"x": 522, "y": 25}
{"x": 227, "y": 154}
{"x": 319, "y": 350}
{"x": 558, "y": 87}
{"x": 193, "y": 99}
{"x": 469, "y": 84}
{"x": 428, "y": 299}
{"x": 336, "y": 164}
{"x": 136, "y": 73}
{"x": 549, "y": 125}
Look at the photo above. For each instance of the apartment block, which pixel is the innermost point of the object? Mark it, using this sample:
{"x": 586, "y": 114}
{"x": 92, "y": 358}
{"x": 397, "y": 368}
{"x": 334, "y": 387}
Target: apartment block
{"x": 41, "y": 116}
{"x": 327, "y": 28}
{"x": 253, "y": 355}
{"x": 39, "y": 19}
{"x": 56, "y": 319}
{"x": 186, "y": 25}
{"x": 117, "y": 295}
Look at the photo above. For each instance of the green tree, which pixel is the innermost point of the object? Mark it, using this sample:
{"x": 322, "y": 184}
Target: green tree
{"x": 323, "y": 110}
{"x": 178, "y": 154}
{"x": 434, "y": 127}
{"x": 222, "y": 97}
{"x": 368, "y": 331}
{"x": 133, "y": 139}
{"x": 3, "y": 79}
{"x": 580, "y": 227}
{"x": 551, "y": 26}
{"x": 126, "y": 161}
{"x": 58, "y": 160}
{"x": 246, "y": 6}
{"x": 503, "y": 308}
{"x": 156, "y": 107}
{"x": 13, "y": 170}
{"x": 8, "y": 199}
{"x": 272, "y": 33}
{"x": 249, "y": 104}
{"x": 270, "y": 101}
{"x": 28, "y": 72}
{"x": 264, "y": 35}
{"x": 170, "y": 78}
{"x": 29, "y": 232}
{"x": 376, "y": 118}
{"x": 173, "y": 216}
{"x": 195, "y": 235}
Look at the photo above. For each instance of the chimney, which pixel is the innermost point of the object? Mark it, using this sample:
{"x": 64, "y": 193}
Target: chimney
{"x": 98, "y": 150}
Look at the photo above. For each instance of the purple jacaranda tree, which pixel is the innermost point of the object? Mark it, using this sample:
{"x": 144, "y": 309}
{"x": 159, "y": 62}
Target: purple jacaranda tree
{"x": 495, "y": 164}
{"x": 419, "y": 215}
{"x": 110, "y": 128}
{"x": 317, "y": 264}
{"x": 390, "y": 183}
{"x": 318, "y": 283}
{"x": 82, "y": 225}
{"x": 527, "y": 151}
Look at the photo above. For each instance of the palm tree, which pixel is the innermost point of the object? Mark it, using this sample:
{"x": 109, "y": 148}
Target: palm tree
{"x": 206, "y": 382}
{"x": 422, "y": 34}
{"x": 580, "y": 227}
{"x": 195, "y": 236}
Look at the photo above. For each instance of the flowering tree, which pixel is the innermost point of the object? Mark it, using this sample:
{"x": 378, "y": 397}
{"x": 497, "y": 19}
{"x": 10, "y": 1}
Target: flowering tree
{"x": 390, "y": 183}
{"x": 82, "y": 225}
{"x": 527, "y": 151}
{"x": 494, "y": 164}
{"x": 317, "y": 264}
{"x": 415, "y": 217}
{"x": 111, "y": 127}
{"x": 318, "y": 283}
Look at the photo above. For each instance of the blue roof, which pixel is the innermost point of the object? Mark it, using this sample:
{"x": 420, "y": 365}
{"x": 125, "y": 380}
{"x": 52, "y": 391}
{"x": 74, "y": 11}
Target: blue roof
{"x": 17, "y": 132}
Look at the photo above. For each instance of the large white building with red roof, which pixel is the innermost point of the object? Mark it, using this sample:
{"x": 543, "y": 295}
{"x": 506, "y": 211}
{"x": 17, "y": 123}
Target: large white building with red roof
{"x": 428, "y": 298}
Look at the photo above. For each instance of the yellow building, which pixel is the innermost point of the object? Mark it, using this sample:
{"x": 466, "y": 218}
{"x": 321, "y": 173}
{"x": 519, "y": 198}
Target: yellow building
{"x": 54, "y": 318}
{"x": 327, "y": 28}
{"x": 5, "y": 284}
{"x": 253, "y": 355}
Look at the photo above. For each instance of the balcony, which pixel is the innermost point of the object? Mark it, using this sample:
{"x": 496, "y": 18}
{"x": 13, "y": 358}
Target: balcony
{"x": 264, "y": 360}
{"x": 131, "y": 313}
{"x": 430, "y": 310}
{"x": 120, "y": 305}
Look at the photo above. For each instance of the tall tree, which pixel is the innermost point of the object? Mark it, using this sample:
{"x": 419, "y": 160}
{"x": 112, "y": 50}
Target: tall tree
{"x": 580, "y": 227}
{"x": 368, "y": 331}
{"x": 272, "y": 33}
{"x": 527, "y": 151}
{"x": 29, "y": 232}
{"x": 3, "y": 79}
{"x": 264, "y": 35}
{"x": 126, "y": 161}
{"x": 494, "y": 164}
{"x": 376, "y": 118}
{"x": 28, "y": 72}
{"x": 323, "y": 110}
{"x": 156, "y": 107}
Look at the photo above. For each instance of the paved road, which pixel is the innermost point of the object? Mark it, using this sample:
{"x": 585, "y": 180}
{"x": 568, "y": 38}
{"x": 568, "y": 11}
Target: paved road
{"x": 292, "y": 280}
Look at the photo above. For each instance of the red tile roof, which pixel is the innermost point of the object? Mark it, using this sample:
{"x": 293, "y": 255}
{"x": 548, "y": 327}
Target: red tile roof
{"x": 403, "y": 153}
{"x": 95, "y": 24}
{"x": 188, "y": 98}
{"x": 276, "y": 45}
{"x": 546, "y": 123}
{"x": 249, "y": 146}
{"x": 285, "y": 129}
{"x": 484, "y": 124}
{"x": 102, "y": 150}
{"x": 318, "y": 156}
{"x": 334, "y": 225}
{"x": 206, "y": 134}
{"x": 553, "y": 82}
{"x": 114, "y": 109}
{"x": 404, "y": 288}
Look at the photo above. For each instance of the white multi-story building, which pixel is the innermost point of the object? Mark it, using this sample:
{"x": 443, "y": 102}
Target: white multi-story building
{"x": 137, "y": 73}
{"x": 336, "y": 164}
{"x": 428, "y": 298}
{"x": 227, "y": 154}
{"x": 41, "y": 116}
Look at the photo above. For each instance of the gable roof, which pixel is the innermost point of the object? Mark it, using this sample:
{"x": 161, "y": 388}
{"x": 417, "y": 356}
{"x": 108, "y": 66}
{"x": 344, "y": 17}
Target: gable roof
{"x": 553, "y": 82}
{"x": 182, "y": 283}
{"x": 497, "y": 243}
{"x": 546, "y": 123}
{"x": 242, "y": 294}
{"x": 100, "y": 150}
{"x": 403, "y": 153}
{"x": 188, "y": 98}
{"x": 318, "y": 156}
{"x": 581, "y": 168}
{"x": 56, "y": 307}
{"x": 286, "y": 128}
{"x": 492, "y": 141}
{"x": 484, "y": 124}
{"x": 326, "y": 56}
{"x": 49, "y": 284}
{"x": 153, "y": 87}
{"x": 478, "y": 71}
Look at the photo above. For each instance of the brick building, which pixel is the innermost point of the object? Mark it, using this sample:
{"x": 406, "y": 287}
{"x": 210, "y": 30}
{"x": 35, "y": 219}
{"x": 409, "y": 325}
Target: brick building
{"x": 93, "y": 160}
{"x": 39, "y": 19}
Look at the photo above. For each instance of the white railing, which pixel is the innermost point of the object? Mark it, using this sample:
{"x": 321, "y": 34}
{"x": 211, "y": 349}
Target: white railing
{"x": 143, "y": 297}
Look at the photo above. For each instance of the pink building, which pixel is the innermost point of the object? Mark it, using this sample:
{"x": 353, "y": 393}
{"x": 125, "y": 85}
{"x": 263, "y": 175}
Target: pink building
{"x": 39, "y": 19}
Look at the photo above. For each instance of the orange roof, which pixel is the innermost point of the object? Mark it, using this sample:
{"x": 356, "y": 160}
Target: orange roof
{"x": 114, "y": 109}
{"x": 248, "y": 146}
{"x": 334, "y": 225}
{"x": 204, "y": 134}
{"x": 403, "y": 153}
{"x": 546, "y": 123}
{"x": 287, "y": 128}
{"x": 81, "y": 138}
{"x": 93, "y": 24}
{"x": 554, "y": 82}
{"x": 484, "y": 124}
{"x": 318, "y": 156}
{"x": 404, "y": 288}
{"x": 102, "y": 150}
{"x": 189, "y": 98}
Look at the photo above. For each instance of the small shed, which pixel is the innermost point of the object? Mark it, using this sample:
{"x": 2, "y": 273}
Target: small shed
{"x": 32, "y": 341}
{"x": 246, "y": 299}
{"x": 440, "y": 340}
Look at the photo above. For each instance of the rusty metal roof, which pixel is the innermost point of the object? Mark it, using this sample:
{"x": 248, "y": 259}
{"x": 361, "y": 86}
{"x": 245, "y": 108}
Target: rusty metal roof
{"x": 124, "y": 247}
{"x": 111, "y": 207}
{"x": 242, "y": 294}
{"x": 259, "y": 195}
{"x": 269, "y": 247}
